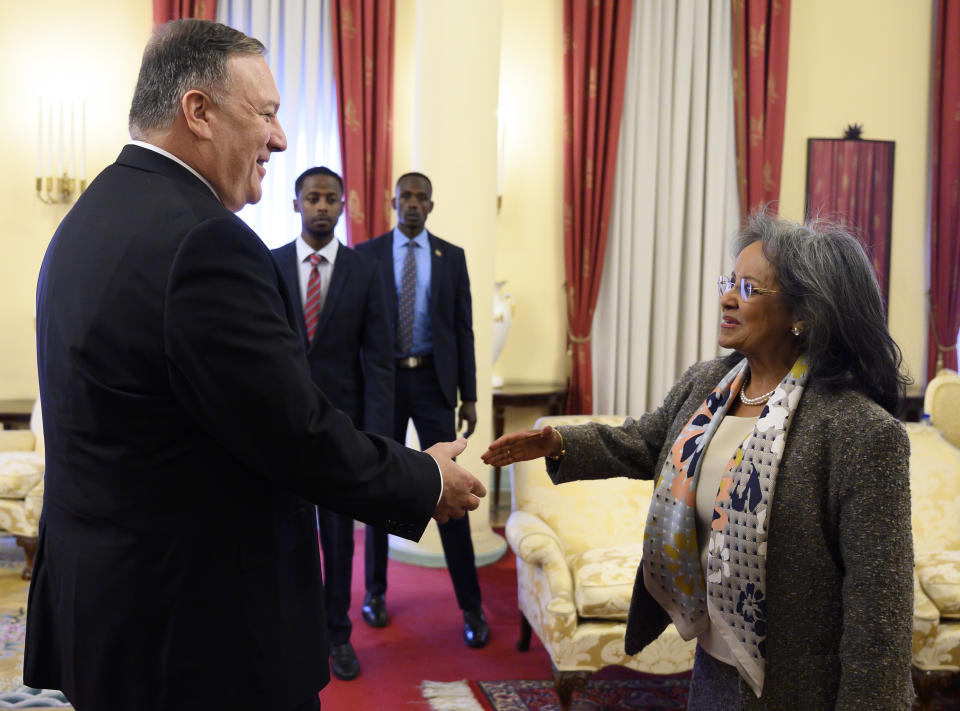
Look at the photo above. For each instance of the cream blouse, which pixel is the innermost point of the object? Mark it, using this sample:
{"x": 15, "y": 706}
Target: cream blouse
{"x": 729, "y": 435}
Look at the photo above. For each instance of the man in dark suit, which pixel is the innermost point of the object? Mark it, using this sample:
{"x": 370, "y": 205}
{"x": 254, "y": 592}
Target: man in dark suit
{"x": 178, "y": 565}
{"x": 350, "y": 349}
{"x": 428, "y": 300}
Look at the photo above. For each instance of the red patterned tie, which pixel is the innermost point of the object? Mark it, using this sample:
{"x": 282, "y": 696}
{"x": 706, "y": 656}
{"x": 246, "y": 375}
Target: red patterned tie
{"x": 311, "y": 309}
{"x": 408, "y": 295}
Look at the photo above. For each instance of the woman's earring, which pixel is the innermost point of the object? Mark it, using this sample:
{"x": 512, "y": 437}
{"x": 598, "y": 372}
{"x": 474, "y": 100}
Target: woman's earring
{"x": 795, "y": 330}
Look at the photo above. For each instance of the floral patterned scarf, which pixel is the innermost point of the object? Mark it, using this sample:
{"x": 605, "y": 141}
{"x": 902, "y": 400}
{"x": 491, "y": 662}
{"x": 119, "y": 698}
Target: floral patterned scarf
{"x": 735, "y": 587}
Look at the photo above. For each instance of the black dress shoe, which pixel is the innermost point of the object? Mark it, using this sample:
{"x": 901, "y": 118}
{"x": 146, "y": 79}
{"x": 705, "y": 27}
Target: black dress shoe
{"x": 375, "y": 610}
{"x": 343, "y": 662}
{"x": 476, "y": 632}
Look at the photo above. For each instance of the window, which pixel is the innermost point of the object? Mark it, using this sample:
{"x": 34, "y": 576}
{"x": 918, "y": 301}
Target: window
{"x": 297, "y": 34}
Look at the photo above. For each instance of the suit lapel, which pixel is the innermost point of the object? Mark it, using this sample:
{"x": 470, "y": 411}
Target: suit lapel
{"x": 341, "y": 273}
{"x": 436, "y": 274}
{"x": 288, "y": 267}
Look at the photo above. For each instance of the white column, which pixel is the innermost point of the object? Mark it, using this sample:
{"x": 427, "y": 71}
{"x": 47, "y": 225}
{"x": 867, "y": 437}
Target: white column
{"x": 456, "y": 68}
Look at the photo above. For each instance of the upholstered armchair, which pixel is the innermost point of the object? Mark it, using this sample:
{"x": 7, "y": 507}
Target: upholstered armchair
{"x": 578, "y": 546}
{"x": 21, "y": 485}
{"x": 935, "y": 491}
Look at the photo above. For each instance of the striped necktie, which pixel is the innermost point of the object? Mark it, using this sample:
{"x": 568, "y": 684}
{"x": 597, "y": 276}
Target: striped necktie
{"x": 408, "y": 295}
{"x": 311, "y": 309}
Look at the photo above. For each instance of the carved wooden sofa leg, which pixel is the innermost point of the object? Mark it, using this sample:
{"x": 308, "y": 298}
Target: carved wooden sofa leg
{"x": 523, "y": 644}
{"x": 927, "y": 683}
{"x": 29, "y": 545}
{"x": 566, "y": 682}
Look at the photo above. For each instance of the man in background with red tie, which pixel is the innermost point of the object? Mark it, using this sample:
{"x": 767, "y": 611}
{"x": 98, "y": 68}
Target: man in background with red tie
{"x": 428, "y": 301}
{"x": 350, "y": 349}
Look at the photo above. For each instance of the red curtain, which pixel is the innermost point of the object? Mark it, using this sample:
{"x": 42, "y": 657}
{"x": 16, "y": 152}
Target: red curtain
{"x": 596, "y": 42}
{"x": 945, "y": 212}
{"x": 363, "y": 71}
{"x": 165, "y": 10}
{"x": 852, "y": 181}
{"x": 761, "y": 36}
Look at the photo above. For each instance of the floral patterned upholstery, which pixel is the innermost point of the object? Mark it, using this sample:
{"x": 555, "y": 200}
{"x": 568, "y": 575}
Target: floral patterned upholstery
{"x": 578, "y": 546}
{"x": 21, "y": 478}
{"x": 935, "y": 491}
{"x": 942, "y": 401}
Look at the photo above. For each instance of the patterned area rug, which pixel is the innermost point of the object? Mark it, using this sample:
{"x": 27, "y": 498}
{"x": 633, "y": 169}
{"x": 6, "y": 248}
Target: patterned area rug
{"x": 666, "y": 693}
{"x": 660, "y": 693}
{"x": 13, "y": 624}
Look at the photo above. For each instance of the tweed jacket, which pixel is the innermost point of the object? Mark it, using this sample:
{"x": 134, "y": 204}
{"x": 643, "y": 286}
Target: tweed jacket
{"x": 839, "y": 552}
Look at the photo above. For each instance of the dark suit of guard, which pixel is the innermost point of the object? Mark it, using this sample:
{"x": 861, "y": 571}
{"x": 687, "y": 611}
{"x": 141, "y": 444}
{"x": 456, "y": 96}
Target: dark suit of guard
{"x": 351, "y": 361}
{"x": 178, "y": 564}
{"x": 428, "y": 393}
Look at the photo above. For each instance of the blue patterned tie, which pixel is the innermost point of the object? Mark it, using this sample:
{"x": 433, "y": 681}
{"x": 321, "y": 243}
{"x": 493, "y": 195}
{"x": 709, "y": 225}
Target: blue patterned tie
{"x": 408, "y": 295}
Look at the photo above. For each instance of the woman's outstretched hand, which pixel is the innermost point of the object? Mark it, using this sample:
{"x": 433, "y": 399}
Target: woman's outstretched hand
{"x": 523, "y": 446}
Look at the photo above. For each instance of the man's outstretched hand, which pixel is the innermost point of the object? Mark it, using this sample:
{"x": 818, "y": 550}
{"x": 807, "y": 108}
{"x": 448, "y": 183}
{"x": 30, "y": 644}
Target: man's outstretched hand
{"x": 461, "y": 489}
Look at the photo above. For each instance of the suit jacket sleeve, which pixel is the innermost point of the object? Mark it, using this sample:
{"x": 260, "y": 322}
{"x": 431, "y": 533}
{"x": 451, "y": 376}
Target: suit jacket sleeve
{"x": 467, "y": 366}
{"x": 595, "y": 451}
{"x": 240, "y": 371}
{"x": 378, "y": 363}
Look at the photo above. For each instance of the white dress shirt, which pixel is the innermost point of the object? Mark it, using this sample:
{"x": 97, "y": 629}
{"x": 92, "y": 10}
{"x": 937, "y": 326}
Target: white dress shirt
{"x": 329, "y": 253}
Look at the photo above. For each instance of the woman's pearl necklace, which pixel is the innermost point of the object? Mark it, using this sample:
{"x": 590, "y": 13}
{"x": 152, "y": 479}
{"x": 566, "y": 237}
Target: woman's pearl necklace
{"x": 751, "y": 401}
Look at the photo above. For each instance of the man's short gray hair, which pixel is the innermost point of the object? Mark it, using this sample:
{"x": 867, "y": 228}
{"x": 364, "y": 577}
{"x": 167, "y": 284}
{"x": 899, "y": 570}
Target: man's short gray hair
{"x": 183, "y": 55}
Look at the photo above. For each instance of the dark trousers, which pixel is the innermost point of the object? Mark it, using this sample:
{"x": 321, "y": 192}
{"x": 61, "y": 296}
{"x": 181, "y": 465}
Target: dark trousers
{"x": 714, "y": 686}
{"x": 311, "y": 704}
{"x": 336, "y": 539}
{"x": 418, "y": 397}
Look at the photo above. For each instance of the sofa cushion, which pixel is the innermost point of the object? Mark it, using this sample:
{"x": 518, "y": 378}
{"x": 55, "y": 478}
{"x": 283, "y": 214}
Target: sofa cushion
{"x": 603, "y": 580}
{"x": 939, "y": 575}
{"x": 19, "y": 473}
{"x": 934, "y": 489}
{"x": 17, "y": 441}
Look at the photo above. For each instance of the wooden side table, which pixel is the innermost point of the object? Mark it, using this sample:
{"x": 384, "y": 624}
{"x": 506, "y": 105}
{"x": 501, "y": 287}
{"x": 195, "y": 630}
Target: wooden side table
{"x": 553, "y": 396}
{"x": 15, "y": 414}
{"x": 912, "y": 408}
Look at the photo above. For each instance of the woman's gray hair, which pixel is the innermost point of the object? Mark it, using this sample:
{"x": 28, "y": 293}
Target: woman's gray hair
{"x": 829, "y": 284}
{"x": 183, "y": 55}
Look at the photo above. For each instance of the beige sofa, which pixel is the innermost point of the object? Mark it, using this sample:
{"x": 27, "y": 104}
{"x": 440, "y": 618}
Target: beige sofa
{"x": 578, "y": 546}
{"x": 935, "y": 490}
{"x": 21, "y": 484}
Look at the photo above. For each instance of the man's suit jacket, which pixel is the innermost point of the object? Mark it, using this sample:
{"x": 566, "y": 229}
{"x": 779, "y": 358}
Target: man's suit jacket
{"x": 351, "y": 356}
{"x": 178, "y": 564}
{"x": 451, "y": 311}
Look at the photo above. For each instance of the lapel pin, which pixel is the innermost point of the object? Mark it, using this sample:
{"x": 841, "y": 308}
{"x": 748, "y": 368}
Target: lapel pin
{"x": 438, "y": 252}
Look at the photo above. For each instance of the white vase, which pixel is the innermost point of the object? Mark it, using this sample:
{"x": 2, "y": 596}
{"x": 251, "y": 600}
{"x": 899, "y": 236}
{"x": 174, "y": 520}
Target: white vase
{"x": 502, "y": 317}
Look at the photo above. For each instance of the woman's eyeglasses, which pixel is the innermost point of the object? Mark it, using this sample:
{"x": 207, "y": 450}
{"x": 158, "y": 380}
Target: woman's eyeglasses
{"x": 747, "y": 289}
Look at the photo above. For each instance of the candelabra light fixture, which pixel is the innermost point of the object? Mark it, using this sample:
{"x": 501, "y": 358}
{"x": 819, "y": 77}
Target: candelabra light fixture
{"x": 61, "y": 149}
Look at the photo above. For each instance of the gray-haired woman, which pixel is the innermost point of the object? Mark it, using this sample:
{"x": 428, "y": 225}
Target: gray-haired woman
{"x": 779, "y": 530}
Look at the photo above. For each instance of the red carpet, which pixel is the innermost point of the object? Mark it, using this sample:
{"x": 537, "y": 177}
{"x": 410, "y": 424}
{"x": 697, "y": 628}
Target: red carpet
{"x": 423, "y": 639}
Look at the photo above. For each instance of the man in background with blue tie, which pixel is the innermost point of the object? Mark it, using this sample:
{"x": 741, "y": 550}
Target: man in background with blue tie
{"x": 349, "y": 347}
{"x": 428, "y": 299}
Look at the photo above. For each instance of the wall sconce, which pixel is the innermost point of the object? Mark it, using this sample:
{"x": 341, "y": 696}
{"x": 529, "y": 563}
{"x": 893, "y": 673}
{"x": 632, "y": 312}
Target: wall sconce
{"x": 61, "y": 149}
